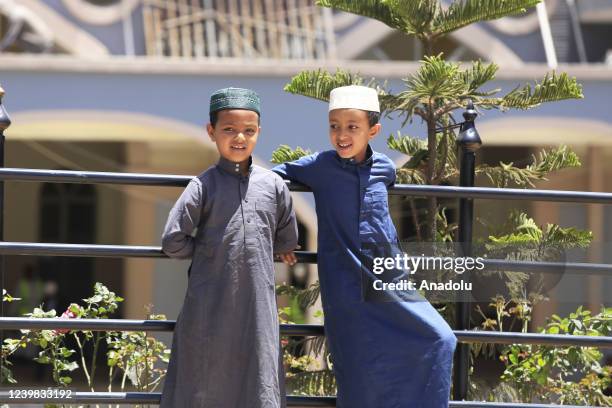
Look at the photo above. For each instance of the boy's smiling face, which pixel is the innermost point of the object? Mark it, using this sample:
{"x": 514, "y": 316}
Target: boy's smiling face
{"x": 235, "y": 133}
{"x": 350, "y": 132}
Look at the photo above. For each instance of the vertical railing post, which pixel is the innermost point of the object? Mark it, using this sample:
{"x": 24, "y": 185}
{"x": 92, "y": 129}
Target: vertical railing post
{"x": 5, "y": 122}
{"x": 469, "y": 142}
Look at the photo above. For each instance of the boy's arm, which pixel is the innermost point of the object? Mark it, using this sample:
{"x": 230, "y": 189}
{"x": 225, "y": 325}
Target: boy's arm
{"x": 300, "y": 170}
{"x": 184, "y": 217}
{"x": 286, "y": 236}
{"x": 392, "y": 174}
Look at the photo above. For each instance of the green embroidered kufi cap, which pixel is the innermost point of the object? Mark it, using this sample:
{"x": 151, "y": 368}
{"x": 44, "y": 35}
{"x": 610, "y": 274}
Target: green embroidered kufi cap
{"x": 234, "y": 98}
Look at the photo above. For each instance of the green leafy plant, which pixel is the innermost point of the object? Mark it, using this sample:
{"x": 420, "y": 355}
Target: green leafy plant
{"x": 284, "y": 154}
{"x": 305, "y": 373}
{"x": 53, "y": 351}
{"x": 571, "y": 375}
{"x": 432, "y": 94}
{"x": 138, "y": 357}
{"x": 134, "y": 356}
{"x": 539, "y": 373}
{"x": 439, "y": 87}
{"x": 9, "y": 346}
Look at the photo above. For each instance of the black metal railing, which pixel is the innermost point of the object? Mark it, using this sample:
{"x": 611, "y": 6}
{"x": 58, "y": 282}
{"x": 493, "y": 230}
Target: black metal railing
{"x": 469, "y": 142}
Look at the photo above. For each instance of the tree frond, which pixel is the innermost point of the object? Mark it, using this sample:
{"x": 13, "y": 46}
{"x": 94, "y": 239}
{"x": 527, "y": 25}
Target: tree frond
{"x": 446, "y": 143}
{"x": 416, "y": 150}
{"x": 407, "y": 145}
{"x": 521, "y": 244}
{"x": 557, "y": 158}
{"x": 388, "y": 103}
{"x": 445, "y": 231}
{"x": 409, "y": 16}
{"x": 547, "y": 161}
{"x": 376, "y": 9}
{"x": 505, "y": 173}
{"x": 306, "y": 297}
{"x": 552, "y": 88}
{"x": 427, "y": 18}
{"x": 465, "y": 12}
{"x": 315, "y": 345}
{"x": 478, "y": 75}
{"x": 567, "y": 237}
{"x": 525, "y": 232}
{"x": 514, "y": 240}
{"x": 525, "y": 224}
{"x": 416, "y": 15}
{"x": 436, "y": 79}
{"x": 444, "y": 87}
{"x": 531, "y": 241}
{"x": 283, "y": 154}
{"x": 418, "y": 160}
{"x": 409, "y": 176}
{"x": 406, "y": 105}
{"x": 313, "y": 383}
{"x": 318, "y": 84}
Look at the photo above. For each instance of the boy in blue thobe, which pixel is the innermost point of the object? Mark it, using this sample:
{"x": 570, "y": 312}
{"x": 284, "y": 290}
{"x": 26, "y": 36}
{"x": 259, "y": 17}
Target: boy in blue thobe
{"x": 394, "y": 354}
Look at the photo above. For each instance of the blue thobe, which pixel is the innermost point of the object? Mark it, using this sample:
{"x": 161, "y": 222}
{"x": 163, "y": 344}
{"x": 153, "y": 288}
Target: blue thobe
{"x": 395, "y": 354}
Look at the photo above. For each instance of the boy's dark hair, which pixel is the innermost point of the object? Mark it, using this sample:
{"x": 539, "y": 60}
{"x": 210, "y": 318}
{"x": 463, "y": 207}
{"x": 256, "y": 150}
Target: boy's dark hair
{"x": 214, "y": 116}
{"x": 373, "y": 118}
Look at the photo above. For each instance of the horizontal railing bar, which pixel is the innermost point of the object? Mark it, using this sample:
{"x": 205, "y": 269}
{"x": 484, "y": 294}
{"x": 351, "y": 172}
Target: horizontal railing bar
{"x": 302, "y": 329}
{"x": 473, "y": 336}
{"x": 154, "y": 398}
{"x": 96, "y": 177}
{"x": 478, "y": 404}
{"x": 16, "y": 323}
{"x": 492, "y": 193}
{"x": 300, "y": 401}
{"x": 92, "y": 177}
{"x": 141, "y": 398}
{"x": 78, "y": 397}
{"x": 39, "y": 323}
{"x": 103, "y": 251}
{"x": 577, "y": 268}
{"x": 464, "y": 336}
{"x": 88, "y": 250}
{"x": 120, "y": 251}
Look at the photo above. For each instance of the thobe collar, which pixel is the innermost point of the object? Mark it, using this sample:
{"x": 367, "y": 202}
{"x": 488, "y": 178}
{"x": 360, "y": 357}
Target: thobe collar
{"x": 233, "y": 167}
{"x": 352, "y": 162}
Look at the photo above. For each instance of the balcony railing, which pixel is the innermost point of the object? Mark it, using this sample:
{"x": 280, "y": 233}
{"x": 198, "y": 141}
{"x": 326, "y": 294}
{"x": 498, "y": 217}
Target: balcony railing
{"x": 464, "y": 194}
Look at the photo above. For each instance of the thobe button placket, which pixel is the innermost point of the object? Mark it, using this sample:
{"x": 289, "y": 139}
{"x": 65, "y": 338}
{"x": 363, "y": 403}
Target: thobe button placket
{"x": 237, "y": 169}
{"x": 362, "y": 174}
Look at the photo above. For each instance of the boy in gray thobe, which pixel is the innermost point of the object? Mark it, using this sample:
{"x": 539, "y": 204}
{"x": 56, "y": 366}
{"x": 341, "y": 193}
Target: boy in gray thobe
{"x": 226, "y": 346}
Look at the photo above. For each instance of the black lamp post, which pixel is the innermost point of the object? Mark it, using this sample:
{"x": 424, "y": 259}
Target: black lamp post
{"x": 5, "y": 122}
{"x": 469, "y": 142}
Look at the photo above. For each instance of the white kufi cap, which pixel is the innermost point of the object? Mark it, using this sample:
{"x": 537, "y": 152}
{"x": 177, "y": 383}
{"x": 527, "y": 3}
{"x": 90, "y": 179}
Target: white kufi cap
{"x": 354, "y": 97}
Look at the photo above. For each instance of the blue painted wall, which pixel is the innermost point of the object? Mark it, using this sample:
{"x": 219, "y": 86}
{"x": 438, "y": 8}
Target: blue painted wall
{"x": 287, "y": 119}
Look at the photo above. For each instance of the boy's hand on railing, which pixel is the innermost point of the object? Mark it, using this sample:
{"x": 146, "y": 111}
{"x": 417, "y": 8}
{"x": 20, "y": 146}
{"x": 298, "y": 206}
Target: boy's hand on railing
{"x": 288, "y": 258}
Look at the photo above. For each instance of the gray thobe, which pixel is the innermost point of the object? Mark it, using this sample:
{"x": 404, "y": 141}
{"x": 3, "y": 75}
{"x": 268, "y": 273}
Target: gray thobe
{"x": 226, "y": 346}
